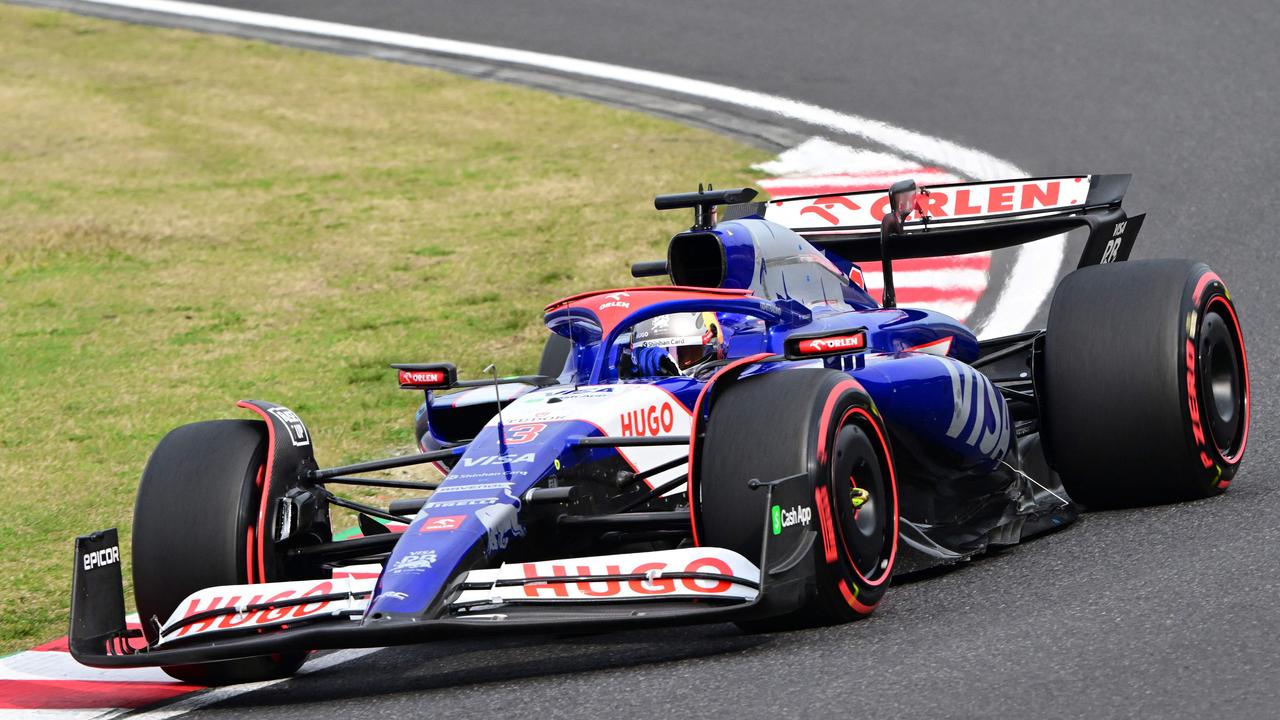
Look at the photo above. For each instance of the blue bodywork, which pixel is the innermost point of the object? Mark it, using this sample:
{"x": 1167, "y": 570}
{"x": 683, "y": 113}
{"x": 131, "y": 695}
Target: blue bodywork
{"x": 951, "y": 428}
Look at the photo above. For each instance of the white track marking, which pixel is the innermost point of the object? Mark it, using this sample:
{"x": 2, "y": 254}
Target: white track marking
{"x": 925, "y": 177}
{"x": 1034, "y": 270}
{"x": 206, "y": 698}
{"x": 194, "y": 701}
{"x": 1030, "y": 282}
{"x": 55, "y": 665}
{"x": 820, "y": 156}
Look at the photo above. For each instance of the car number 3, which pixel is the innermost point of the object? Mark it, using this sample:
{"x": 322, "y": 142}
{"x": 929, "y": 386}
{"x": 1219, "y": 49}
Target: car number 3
{"x": 517, "y": 434}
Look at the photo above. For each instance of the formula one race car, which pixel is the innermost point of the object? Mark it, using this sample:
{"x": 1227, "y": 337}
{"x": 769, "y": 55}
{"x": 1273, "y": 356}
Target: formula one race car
{"x": 759, "y": 442}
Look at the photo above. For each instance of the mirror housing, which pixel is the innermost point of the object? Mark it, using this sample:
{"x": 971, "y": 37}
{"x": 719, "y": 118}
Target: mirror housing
{"x": 902, "y": 201}
{"x": 902, "y": 198}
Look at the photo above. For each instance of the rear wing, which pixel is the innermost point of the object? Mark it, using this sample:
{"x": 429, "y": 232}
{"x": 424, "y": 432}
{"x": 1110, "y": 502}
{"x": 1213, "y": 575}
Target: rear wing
{"x": 961, "y": 218}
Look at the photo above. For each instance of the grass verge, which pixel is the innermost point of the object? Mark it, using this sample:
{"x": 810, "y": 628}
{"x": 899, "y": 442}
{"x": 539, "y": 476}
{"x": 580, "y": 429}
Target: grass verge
{"x": 187, "y": 220}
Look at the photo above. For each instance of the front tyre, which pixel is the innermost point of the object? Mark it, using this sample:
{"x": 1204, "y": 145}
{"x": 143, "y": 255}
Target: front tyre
{"x": 194, "y": 525}
{"x": 823, "y": 424}
{"x": 1146, "y": 385}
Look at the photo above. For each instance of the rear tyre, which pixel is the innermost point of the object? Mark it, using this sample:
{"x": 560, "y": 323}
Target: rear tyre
{"x": 1146, "y": 386}
{"x": 823, "y": 424}
{"x": 193, "y": 528}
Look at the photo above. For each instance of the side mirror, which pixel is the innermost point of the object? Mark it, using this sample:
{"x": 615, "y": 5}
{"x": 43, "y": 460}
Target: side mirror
{"x": 902, "y": 198}
{"x": 902, "y": 201}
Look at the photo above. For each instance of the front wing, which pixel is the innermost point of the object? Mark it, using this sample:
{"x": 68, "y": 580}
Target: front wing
{"x": 670, "y": 587}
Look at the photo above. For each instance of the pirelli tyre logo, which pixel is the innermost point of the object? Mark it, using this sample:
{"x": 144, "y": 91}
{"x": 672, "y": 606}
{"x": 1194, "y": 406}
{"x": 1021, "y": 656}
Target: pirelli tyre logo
{"x": 298, "y": 434}
{"x": 101, "y": 558}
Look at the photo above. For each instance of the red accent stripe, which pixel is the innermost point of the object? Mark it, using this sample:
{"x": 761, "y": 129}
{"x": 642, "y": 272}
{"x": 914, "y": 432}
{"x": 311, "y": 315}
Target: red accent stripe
{"x": 1202, "y": 283}
{"x": 922, "y": 347}
{"x": 826, "y": 415}
{"x": 59, "y": 645}
{"x": 266, "y": 486}
{"x": 926, "y": 295}
{"x": 338, "y": 575}
{"x": 79, "y": 694}
{"x": 693, "y": 434}
{"x": 249, "y": 545}
{"x": 822, "y": 499}
{"x": 249, "y": 533}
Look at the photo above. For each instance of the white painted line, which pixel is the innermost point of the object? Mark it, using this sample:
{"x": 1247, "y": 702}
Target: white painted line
{"x": 820, "y": 156}
{"x": 28, "y": 714}
{"x": 32, "y": 665}
{"x": 208, "y": 697}
{"x": 1034, "y": 270}
{"x": 866, "y": 180}
{"x": 1031, "y": 281}
{"x": 195, "y": 701}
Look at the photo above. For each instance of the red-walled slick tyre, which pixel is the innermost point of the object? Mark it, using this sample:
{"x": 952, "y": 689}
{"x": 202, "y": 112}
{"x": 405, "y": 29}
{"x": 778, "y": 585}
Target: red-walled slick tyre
{"x": 823, "y": 424}
{"x": 197, "y": 505}
{"x": 1146, "y": 384}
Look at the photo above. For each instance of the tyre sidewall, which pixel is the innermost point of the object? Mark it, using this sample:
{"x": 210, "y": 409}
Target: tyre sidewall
{"x": 1123, "y": 418}
{"x": 778, "y": 425}
{"x": 1211, "y": 468}
{"x": 197, "y": 501}
{"x": 844, "y": 591}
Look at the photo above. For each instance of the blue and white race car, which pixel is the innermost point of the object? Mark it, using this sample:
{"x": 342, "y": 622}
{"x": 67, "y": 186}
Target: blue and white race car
{"x": 760, "y": 441}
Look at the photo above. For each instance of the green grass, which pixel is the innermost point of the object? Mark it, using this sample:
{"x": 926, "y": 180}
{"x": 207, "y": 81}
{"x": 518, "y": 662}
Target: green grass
{"x": 187, "y": 220}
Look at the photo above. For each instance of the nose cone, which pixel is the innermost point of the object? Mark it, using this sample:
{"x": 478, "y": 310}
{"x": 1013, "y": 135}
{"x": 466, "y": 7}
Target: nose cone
{"x": 472, "y": 517}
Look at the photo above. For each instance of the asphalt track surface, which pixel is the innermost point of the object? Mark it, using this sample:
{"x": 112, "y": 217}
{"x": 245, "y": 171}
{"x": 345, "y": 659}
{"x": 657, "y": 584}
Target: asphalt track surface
{"x": 1162, "y": 612}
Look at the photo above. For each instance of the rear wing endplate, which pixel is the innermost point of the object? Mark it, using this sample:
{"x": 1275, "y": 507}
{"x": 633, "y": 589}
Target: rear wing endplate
{"x": 961, "y": 218}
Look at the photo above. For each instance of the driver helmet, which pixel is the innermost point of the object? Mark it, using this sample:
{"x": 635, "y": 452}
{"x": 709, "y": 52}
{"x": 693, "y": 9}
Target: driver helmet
{"x": 691, "y": 339}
